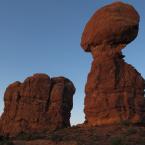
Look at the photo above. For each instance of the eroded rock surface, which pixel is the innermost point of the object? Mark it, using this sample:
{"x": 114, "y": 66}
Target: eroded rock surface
{"x": 114, "y": 89}
{"x": 39, "y": 104}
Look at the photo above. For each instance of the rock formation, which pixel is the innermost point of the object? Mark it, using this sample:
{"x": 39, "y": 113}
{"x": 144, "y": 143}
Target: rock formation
{"x": 114, "y": 89}
{"x": 39, "y": 104}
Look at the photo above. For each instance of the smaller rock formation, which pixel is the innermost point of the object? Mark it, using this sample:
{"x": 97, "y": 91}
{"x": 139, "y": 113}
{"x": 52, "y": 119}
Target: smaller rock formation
{"x": 39, "y": 104}
{"x": 114, "y": 89}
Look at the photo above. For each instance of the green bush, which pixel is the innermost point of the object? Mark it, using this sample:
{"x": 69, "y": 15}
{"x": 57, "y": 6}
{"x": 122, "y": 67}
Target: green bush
{"x": 141, "y": 141}
{"x": 27, "y": 136}
{"x": 125, "y": 123}
{"x": 117, "y": 141}
{"x": 131, "y": 131}
{"x": 23, "y": 136}
{"x": 6, "y": 142}
{"x": 56, "y": 137}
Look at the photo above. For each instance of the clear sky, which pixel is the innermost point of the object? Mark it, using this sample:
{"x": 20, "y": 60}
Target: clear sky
{"x": 43, "y": 36}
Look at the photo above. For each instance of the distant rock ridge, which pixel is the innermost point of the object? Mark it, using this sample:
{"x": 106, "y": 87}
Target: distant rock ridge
{"x": 114, "y": 89}
{"x": 39, "y": 104}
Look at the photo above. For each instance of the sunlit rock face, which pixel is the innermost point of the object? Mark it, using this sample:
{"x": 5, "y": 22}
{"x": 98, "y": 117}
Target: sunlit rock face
{"x": 114, "y": 89}
{"x": 39, "y": 104}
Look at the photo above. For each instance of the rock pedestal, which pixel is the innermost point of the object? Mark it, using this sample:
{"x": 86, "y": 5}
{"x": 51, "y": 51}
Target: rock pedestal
{"x": 114, "y": 89}
{"x": 39, "y": 104}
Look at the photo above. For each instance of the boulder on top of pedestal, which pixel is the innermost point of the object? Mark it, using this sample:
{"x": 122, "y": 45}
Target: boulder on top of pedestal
{"x": 114, "y": 24}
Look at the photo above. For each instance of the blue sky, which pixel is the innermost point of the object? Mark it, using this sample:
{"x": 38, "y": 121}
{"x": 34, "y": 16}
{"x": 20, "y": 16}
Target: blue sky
{"x": 43, "y": 36}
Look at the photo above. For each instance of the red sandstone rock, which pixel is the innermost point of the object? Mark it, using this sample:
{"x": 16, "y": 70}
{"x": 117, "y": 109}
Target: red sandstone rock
{"x": 114, "y": 93}
{"x": 114, "y": 89}
{"x": 37, "y": 105}
{"x": 116, "y": 23}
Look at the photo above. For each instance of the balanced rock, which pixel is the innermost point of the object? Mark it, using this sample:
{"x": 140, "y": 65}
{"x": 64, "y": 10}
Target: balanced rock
{"x": 114, "y": 89}
{"x": 39, "y": 104}
{"x": 113, "y": 24}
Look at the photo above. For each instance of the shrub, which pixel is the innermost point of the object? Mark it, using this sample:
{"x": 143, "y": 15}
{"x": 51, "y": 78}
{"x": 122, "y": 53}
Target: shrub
{"x": 131, "y": 131}
{"x": 117, "y": 141}
{"x": 126, "y": 123}
{"x": 6, "y": 142}
{"x": 23, "y": 136}
{"x": 141, "y": 141}
{"x": 56, "y": 137}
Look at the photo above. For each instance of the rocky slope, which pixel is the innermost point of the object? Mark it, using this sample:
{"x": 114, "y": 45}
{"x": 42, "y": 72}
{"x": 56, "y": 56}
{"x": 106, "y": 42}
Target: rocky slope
{"x": 123, "y": 134}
